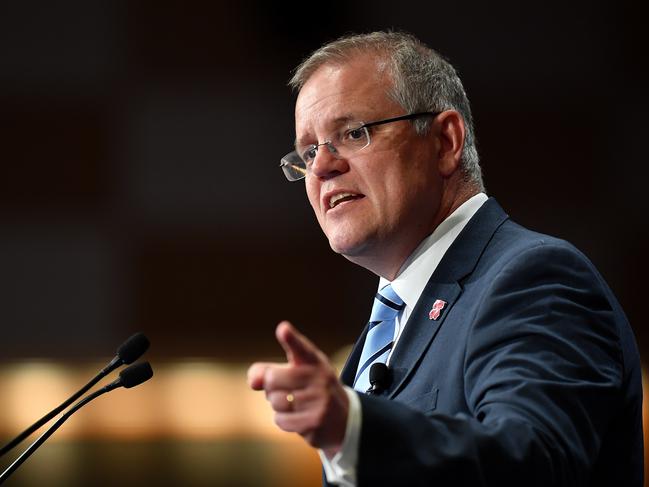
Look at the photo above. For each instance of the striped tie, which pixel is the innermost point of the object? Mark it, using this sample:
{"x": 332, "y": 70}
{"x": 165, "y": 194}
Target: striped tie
{"x": 380, "y": 336}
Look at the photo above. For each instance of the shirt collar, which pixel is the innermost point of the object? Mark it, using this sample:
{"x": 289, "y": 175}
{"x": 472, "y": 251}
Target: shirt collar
{"x": 417, "y": 269}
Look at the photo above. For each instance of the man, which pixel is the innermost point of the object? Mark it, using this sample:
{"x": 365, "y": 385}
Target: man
{"x": 509, "y": 360}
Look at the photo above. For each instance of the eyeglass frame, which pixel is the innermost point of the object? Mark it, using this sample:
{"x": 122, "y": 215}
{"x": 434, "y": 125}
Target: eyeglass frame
{"x": 333, "y": 149}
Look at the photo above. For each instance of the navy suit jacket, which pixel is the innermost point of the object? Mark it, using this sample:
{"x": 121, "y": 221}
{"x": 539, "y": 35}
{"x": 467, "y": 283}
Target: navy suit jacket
{"x": 529, "y": 376}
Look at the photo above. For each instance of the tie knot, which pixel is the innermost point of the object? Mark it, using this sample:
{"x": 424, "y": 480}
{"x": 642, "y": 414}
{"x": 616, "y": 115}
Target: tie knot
{"x": 387, "y": 305}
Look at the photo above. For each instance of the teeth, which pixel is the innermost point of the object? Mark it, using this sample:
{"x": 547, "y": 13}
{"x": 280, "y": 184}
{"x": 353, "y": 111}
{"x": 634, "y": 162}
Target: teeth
{"x": 336, "y": 198}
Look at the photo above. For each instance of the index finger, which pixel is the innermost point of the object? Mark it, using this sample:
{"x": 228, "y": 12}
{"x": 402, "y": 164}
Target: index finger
{"x": 256, "y": 374}
{"x": 299, "y": 349}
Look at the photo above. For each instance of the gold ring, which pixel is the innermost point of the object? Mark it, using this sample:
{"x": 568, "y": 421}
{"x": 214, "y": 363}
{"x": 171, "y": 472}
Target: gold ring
{"x": 290, "y": 399}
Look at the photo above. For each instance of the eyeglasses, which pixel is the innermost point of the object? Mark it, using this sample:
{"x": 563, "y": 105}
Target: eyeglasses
{"x": 341, "y": 144}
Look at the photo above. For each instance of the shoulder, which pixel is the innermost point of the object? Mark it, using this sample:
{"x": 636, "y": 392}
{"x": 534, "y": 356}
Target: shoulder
{"x": 514, "y": 248}
{"x": 532, "y": 283}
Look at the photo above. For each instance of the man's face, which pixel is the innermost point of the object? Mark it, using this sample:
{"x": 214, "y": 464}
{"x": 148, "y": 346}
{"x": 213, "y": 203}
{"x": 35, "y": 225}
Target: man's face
{"x": 391, "y": 188}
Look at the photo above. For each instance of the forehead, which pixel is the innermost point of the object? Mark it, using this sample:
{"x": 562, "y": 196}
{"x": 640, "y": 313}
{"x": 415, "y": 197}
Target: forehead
{"x": 356, "y": 90}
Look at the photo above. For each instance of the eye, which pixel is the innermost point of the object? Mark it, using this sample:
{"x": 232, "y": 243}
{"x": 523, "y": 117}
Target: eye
{"x": 355, "y": 134}
{"x": 309, "y": 154}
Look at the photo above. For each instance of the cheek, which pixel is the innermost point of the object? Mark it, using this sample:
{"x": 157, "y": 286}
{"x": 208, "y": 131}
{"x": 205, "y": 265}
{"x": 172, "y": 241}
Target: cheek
{"x": 405, "y": 191}
{"x": 312, "y": 194}
{"x": 391, "y": 185}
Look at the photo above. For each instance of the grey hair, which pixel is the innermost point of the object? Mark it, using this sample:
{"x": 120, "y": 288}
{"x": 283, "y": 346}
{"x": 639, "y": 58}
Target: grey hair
{"x": 422, "y": 81}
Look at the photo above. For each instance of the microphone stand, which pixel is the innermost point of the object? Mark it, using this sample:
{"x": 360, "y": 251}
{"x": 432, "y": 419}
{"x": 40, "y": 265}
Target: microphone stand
{"x": 41, "y": 439}
{"x": 128, "y": 352}
{"x": 129, "y": 377}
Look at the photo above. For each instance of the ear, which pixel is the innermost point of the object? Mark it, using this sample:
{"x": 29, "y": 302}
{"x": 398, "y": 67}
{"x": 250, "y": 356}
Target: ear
{"x": 451, "y": 133}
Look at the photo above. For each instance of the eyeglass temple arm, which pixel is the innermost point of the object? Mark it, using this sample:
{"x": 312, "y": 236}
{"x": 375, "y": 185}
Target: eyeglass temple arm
{"x": 402, "y": 117}
{"x": 293, "y": 167}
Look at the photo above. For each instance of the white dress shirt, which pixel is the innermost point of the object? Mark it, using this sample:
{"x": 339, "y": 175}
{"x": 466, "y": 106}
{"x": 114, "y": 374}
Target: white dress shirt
{"x": 409, "y": 284}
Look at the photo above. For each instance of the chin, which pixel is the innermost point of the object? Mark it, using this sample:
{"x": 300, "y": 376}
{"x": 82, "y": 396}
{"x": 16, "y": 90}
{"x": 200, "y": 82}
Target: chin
{"x": 348, "y": 247}
{"x": 340, "y": 249}
{"x": 351, "y": 238}
{"x": 340, "y": 246}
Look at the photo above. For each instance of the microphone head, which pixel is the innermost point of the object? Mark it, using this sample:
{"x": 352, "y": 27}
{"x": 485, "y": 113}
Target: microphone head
{"x": 133, "y": 348}
{"x": 379, "y": 375}
{"x": 135, "y": 374}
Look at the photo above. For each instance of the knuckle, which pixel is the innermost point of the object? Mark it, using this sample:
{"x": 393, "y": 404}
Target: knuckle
{"x": 271, "y": 397}
{"x": 280, "y": 421}
{"x": 270, "y": 378}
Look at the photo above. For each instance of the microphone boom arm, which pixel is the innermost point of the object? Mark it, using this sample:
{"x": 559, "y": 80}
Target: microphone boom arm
{"x": 129, "y": 377}
{"x": 50, "y": 431}
{"x": 128, "y": 352}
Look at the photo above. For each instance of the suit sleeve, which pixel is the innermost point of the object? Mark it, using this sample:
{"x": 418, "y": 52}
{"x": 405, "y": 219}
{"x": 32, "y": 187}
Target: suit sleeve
{"x": 542, "y": 372}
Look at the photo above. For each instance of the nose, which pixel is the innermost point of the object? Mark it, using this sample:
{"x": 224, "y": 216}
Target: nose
{"x": 328, "y": 163}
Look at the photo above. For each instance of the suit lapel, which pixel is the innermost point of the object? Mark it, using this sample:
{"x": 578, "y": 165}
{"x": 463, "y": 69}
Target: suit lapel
{"x": 445, "y": 284}
{"x": 420, "y": 331}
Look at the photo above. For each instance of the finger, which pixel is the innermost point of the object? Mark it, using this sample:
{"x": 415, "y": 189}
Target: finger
{"x": 289, "y": 377}
{"x": 281, "y": 401}
{"x": 299, "y": 349}
{"x": 256, "y": 374}
{"x": 301, "y": 422}
{"x": 321, "y": 428}
{"x": 297, "y": 400}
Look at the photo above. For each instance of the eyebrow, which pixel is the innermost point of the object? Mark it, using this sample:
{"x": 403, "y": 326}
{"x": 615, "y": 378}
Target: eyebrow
{"x": 335, "y": 122}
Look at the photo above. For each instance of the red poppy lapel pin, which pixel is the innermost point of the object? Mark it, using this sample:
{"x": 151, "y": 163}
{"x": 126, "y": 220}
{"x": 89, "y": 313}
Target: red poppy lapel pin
{"x": 436, "y": 310}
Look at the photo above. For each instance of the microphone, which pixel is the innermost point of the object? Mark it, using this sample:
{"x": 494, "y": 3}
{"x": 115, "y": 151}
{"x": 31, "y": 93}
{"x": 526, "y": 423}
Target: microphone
{"x": 127, "y": 353}
{"x": 380, "y": 378}
{"x": 129, "y": 377}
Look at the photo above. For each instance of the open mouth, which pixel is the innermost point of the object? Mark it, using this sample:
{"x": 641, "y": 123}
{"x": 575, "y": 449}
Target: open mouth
{"x": 340, "y": 198}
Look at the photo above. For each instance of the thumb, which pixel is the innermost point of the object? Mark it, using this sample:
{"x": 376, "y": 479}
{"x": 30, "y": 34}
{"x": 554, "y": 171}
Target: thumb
{"x": 298, "y": 348}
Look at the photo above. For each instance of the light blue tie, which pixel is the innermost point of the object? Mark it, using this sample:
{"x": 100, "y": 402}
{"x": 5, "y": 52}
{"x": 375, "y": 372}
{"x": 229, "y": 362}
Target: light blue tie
{"x": 380, "y": 336}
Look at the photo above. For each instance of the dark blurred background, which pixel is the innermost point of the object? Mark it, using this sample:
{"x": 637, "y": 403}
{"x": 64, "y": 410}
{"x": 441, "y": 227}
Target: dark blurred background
{"x": 140, "y": 140}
